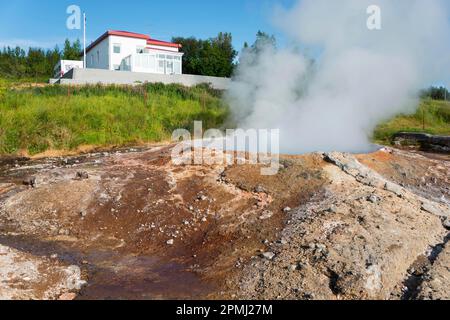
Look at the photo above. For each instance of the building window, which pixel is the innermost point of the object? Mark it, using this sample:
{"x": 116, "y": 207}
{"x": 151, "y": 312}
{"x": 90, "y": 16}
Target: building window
{"x": 161, "y": 66}
{"x": 116, "y": 48}
{"x": 92, "y": 59}
{"x": 177, "y": 66}
{"x": 140, "y": 49}
{"x": 117, "y": 67}
{"x": 98, "y": 57}
{"x": 169, "y": 67}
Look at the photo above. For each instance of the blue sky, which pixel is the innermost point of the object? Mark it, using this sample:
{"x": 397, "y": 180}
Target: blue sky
{"x": 43, "y": 23}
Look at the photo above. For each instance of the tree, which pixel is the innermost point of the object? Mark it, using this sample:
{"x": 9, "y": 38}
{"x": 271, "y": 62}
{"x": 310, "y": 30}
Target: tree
{"x": 36, "y": 62}
{"x": 52, "y": 58}
{"x": 72, "y": 51}
{"x": 263, "y": 41}
{"x": 16, "y": 63}
{"x": 191, "y": 49}
{"x": 250, "y": 54}
{"x": 436, "y": 93}
{"x": 224, "y": 53}
{"x": 212, "y": 57}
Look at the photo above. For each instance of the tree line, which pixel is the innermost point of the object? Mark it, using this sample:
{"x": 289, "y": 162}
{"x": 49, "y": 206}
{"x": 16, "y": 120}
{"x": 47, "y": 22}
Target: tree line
{"x": 436, "y": 93}
{"x": 217, "y": 56}
{"x": 17, "y": 63}
{"x": 211, "y": 57}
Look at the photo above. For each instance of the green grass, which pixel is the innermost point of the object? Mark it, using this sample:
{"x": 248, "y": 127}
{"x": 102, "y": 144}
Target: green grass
{"x": 37, "y": 119}
{"x": 435, "y": 113}
{"x": 62, "y": 118}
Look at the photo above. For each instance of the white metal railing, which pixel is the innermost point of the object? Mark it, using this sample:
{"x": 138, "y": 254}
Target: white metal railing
{"x": 153, "y": 63}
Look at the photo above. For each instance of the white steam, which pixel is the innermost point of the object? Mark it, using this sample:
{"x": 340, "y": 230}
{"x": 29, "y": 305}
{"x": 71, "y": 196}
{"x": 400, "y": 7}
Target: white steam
{"x": 362, "y": 78}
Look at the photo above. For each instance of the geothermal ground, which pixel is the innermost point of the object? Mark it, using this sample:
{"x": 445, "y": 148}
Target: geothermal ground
{"x": 131, "y": 225}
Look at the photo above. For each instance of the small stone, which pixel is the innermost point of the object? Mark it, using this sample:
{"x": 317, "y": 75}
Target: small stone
{"x": 333, "y": 209}
{"x": 394, "y": 188}
{"x": 433, "y": 209}
{"x": 30, "y": 182}
{"x": 266, "y": 215}
{"x": 67, "y": 296}
{"x": 260, "y": 189}
{"x": 54, "y": 256}
{"x": 287, "y": 210}
{"x": 447, "y": 223}
{"x": 268, "y": 255}
{"x": 83, "y": 214}
{"x": 63, "y": 232}
{"x": 82, "y": 175}
{"x": 373, "y": 198}
{"x": 293, "y": 267}
{"x": 170, "y": 242}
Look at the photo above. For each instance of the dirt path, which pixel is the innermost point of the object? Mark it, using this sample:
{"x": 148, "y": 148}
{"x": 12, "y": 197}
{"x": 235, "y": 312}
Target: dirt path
{"x": 138, "y": 227}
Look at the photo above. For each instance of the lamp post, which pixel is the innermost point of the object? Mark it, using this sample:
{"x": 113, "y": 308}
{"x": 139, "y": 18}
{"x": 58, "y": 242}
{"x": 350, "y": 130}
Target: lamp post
{"x": 84, "y": 40}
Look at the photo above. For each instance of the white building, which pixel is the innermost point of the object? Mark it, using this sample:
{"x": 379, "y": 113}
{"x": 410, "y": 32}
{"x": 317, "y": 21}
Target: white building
{"x": 127, "y": 51}
{"x": 65, "y": 66}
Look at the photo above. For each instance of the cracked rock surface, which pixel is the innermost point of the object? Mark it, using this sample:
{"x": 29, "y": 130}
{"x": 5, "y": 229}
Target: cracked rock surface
{"x": 130, "y": 224}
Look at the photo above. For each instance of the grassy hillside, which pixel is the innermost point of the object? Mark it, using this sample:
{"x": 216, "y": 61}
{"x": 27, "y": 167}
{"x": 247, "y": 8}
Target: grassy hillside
{"x": 432, "y": 115}
{"x": 36, "y": 119}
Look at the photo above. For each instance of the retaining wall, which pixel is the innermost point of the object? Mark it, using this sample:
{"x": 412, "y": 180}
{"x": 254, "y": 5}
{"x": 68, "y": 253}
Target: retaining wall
{"x": 95, "y": 76}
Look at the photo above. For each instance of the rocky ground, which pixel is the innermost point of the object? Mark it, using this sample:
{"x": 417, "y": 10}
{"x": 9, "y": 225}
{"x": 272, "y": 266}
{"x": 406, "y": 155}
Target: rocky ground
{"x": 132, "y": 225}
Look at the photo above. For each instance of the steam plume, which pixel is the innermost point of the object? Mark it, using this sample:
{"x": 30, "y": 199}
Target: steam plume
{"x": 362, "y": 77}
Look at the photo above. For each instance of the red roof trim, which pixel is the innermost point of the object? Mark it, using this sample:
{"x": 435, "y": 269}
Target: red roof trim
{"x": 163, "y": 43}
{"x": 132, "y": 35}
{"x": 128, "y": 34}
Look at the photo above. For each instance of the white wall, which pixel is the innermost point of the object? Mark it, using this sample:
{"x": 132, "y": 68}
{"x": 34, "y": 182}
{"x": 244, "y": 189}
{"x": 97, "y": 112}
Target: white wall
{"x": 65, "y": 66}
{"x": 128, "y": 47}
{"x": 92, "y": 76}
{"x": 98, "y": 56}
